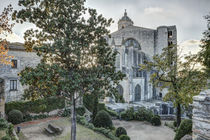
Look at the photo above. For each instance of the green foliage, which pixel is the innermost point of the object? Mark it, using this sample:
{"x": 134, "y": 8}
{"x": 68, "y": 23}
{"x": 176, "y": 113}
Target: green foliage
{"x": 108, "y": 133}
{"x": 128, "y": 114}
{"x": 124, "y": 137}
{"x": 112, "y": 113}
{"x": 88, "y": 101}
{"x": 80, "y": 110}
{"x": 103, "y": 119}
{"x": 3, "y": 124}
{"x": 184, "y": 128}
{"x": 120, "y": 131}
{"x": 15, "y": 116}
{"x": 101, "y": 106}
{"x": 37, "y": 106}
{"x": 6, "y": 138}
{"x": 156, "y": 120}
{"x": 182, "y": 78}
{"x": 66, "y": 112}
{"x": 175, "y": 123}
{"x": 28, "y": 117}
{"x": 143, "y": 114}
{"x": 204, "y": 54}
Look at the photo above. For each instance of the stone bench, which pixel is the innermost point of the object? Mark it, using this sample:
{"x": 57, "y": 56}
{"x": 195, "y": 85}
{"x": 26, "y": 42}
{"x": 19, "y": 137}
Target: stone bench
{"x": 55, "y": 129}
{"x": 49, "y": 131}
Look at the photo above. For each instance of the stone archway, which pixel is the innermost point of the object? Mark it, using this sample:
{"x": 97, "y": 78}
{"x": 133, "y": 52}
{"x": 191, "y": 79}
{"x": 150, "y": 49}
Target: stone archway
{"x": 2, "y": 98}
{"x": 138, "y": 93}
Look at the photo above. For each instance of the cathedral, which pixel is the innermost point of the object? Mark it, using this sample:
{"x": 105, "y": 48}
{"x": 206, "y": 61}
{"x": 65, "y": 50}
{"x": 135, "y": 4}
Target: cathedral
{"x": 135, "y": 45}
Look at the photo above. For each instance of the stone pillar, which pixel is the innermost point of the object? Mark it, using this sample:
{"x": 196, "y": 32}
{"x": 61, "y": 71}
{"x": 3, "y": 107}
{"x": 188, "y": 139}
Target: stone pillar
{"x": 201, "y": 116}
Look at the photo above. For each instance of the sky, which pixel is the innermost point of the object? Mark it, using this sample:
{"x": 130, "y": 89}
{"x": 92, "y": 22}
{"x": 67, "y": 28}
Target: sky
{"x": 187, "y": 15}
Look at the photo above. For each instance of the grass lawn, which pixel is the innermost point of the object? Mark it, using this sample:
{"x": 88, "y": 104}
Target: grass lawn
{"x": 2, "y": 133}
{"x": 35, "y": 132}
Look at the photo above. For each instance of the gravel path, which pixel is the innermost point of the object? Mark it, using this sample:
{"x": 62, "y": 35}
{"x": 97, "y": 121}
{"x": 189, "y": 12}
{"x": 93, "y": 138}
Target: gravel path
{"x": 145, "y": 131}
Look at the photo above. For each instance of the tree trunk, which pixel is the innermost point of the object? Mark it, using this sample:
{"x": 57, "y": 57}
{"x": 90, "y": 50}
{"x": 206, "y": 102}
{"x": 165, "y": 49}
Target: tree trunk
{"x": 178, "y": 115}
{"x": 73, "y": 120}
{"x": 95, "y": 107}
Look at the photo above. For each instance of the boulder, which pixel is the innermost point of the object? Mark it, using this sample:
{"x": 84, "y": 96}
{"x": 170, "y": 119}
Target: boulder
{"x": 187, "y": 137}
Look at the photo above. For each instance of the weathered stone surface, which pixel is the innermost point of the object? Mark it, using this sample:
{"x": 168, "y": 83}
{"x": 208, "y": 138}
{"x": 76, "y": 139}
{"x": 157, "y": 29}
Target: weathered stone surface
{"x": 136, "y": 44}
{"x": 201, "y": 116}
{"x": 187, "y": 137}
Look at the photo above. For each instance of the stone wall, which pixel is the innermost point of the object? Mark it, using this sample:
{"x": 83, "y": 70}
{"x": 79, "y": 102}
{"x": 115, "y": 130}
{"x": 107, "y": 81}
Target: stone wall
{"x": 201, "y": 116}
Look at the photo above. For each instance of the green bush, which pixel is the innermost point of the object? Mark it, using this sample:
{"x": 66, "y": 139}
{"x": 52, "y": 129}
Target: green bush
{"x": 143, "y": 114}
{"x": 101, "y": 106}
{"x": 156, "y": 120}
{"x": 184, "y": 128}
{"x": 66, "y": 112}
{"x": 112, "y": 113}
{"x": 128, "y": 114}
{"x": 103, "y": 119}
{"x": 80, "y": 111}
{"x": 10, "y": 130}
{"x": 15, "y": 117}
{"x": 124, "y": 137}
{"x": 37, "y": 106}
{"x": 120, "y": 131}
{"x": 175, "y": 123}
{"x": 88, "y": 102}
{"x": 108, "y": 133}
{"x": 3, "y": 124}
{"x": 6, "y": 138}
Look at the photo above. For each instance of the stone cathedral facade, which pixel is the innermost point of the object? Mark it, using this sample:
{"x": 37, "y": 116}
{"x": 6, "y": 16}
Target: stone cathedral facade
{"x": 135, "y": 45}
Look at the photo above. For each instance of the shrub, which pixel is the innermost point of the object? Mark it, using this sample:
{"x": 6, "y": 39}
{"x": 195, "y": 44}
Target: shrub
{"x": 88, "y": 102}
{"x": 112, "y": 113}
{"x": 184, "y": 128}
{"x": 175, "y": 123}
{"x": 6, "y": 138}
{"x": 3, "y": 124}
{"x": 102, "y": 119}
{"x": 128, "y": 114}
{"x": 124, "y": 137}
{"x": 80, "y": 111}
{"x": 156, "y": 120}
{"x": 37, "y": 106}
{"x": 66, "y": 112}
{"x": 120, "y": 131}
{"x": 143, "y": 114}
{"x": 101, "y": 106}
{"x": 15, "y": 117}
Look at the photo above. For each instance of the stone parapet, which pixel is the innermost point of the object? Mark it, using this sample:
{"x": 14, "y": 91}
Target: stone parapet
{"x": 201, "y": 116}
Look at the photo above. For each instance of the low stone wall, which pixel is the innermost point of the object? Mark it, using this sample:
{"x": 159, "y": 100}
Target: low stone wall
{"x": 201, "y": 116}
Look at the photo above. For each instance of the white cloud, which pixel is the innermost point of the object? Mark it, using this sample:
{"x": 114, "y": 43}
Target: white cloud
{"x": 189, "y": 46}
{"x": 153, "y": 10}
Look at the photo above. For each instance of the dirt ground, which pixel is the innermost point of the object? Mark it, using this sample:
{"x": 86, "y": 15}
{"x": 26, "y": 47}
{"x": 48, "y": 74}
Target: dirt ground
{"x": 145, "y": 131}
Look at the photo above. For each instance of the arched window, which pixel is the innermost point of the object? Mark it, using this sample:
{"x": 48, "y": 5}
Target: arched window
{"x": 137, "y": 93}
{"x": 120, "y": 90}
{"x": 132, "y": 42}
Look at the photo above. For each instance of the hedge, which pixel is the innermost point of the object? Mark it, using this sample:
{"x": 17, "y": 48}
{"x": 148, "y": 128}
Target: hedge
{"x": 107, "y": 132}
{"x": 37, "y": 106}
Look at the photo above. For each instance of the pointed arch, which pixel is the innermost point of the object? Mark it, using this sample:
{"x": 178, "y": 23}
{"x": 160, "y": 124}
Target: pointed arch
{"x": 137, "y": 93}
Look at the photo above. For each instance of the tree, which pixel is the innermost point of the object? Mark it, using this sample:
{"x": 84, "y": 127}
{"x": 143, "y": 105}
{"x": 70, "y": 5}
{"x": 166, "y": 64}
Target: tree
{"x": 76, "y": 58}
{"x": 204, "y": 54}
{"x": 182, "y": 78}
{"x": 5, "y": 29}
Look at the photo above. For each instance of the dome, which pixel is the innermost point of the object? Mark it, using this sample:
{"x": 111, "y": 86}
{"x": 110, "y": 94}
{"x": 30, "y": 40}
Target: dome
{"x": 125, "y": 21}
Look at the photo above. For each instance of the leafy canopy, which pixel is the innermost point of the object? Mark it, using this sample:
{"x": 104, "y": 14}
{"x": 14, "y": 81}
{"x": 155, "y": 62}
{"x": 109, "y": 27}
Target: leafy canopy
{"x": 182, "y": 78}
{"x": 71, "y": 40}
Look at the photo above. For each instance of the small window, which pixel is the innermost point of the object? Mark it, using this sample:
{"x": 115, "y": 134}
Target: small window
{"x": 14, "y": 63}
{"x": 170, "y": 43}
{"x": 170, "y": 34}
{"x": 13, "y": 84}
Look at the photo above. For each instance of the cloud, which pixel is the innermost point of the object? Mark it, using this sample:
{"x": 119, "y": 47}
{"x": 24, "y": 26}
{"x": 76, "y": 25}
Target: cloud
{"x": 189, "y": 47}
{"x": 153, "y": 10}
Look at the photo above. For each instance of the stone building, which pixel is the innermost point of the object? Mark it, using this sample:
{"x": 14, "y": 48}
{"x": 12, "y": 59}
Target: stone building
{"x": 201, "y": 116}
{"x": 12, "y": 88}
{"x": 136, "y": 44}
